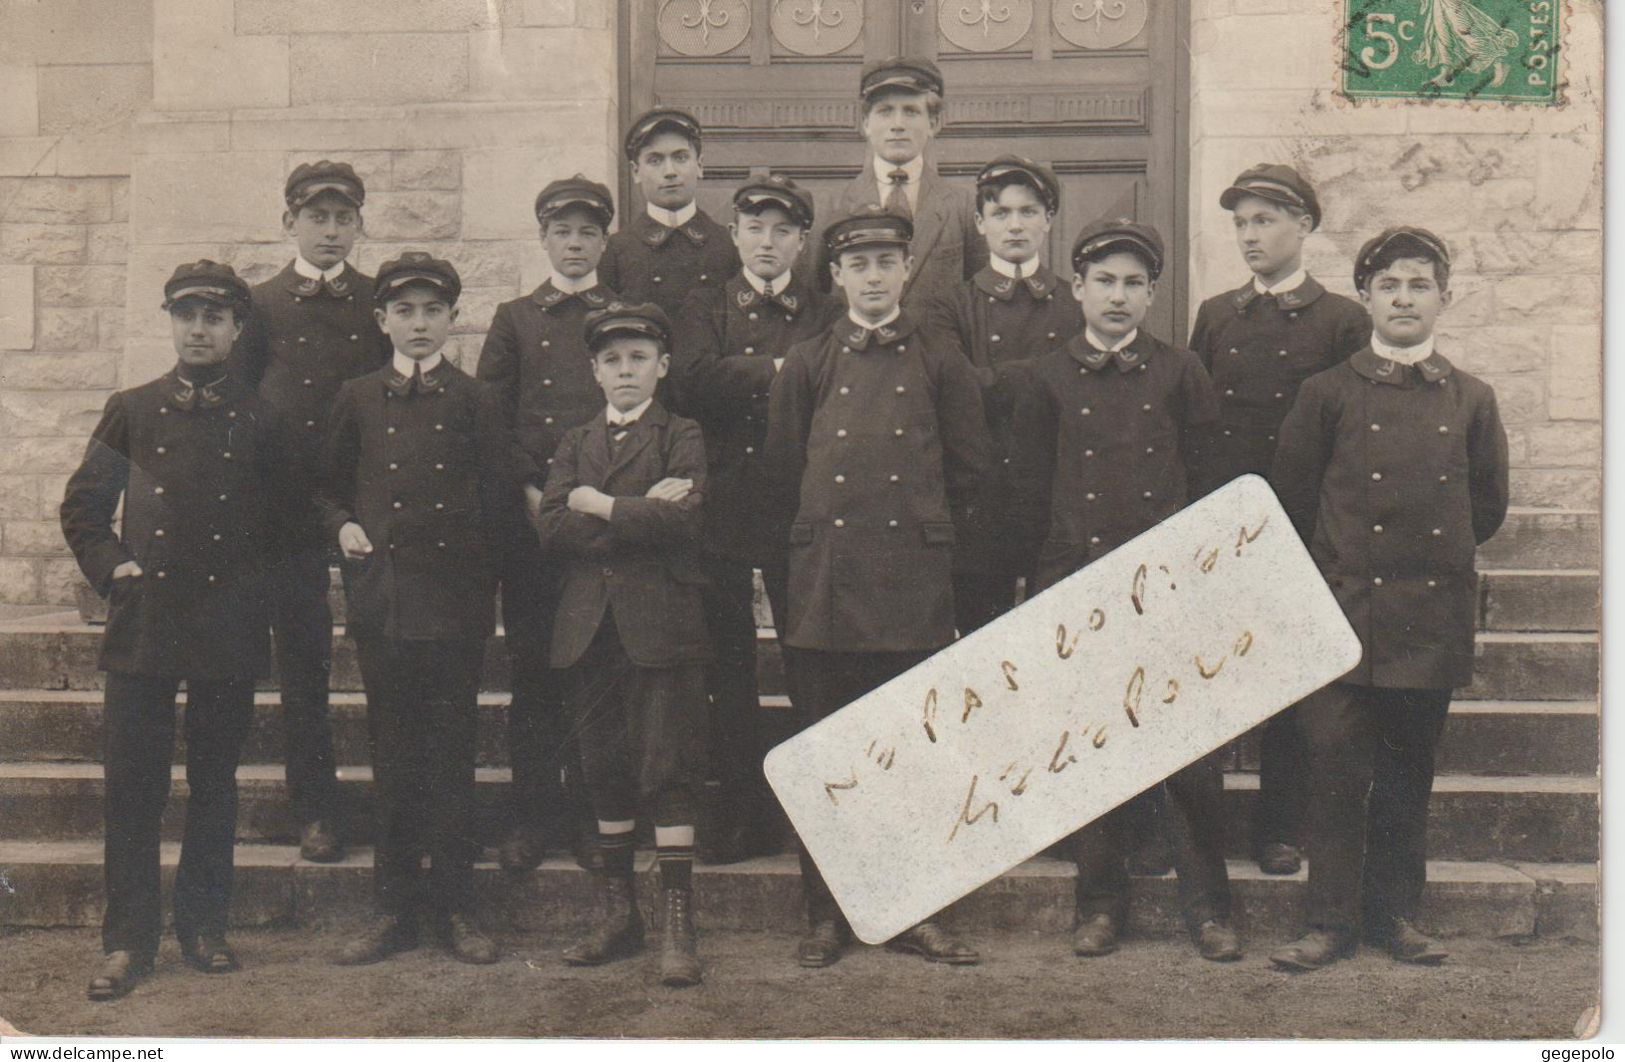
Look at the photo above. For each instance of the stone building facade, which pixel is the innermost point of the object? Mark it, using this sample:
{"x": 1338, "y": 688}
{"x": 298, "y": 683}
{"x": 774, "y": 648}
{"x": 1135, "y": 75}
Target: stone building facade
{"x": 135, "y": 134}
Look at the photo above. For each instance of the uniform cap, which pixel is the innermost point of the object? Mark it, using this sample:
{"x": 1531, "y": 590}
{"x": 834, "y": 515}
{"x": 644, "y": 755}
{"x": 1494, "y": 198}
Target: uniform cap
{"x": 1106, "y": 236}
{"x": 776, "y": 190}
{"x": 1016, "y": 169}
{"x": 310, "y": 179}
{"x": 900, "y": 72}
{"x": 668, "y": 119}
{"x": 1390, "y": 243}
{"x": 577, "y": 191}
{"x": 1278, "y": 184}
{"x": 417, "y": 267}
{"x": 623, "y": 318}
{"x": 868, "y": 226}
{"x": 204, "y": 279}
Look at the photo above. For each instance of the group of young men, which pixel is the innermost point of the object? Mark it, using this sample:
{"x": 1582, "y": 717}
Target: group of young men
{"x": 902, "y": 439}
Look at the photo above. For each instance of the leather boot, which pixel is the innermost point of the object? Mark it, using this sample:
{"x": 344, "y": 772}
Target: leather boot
{"x": 1313, "y": 950}
{"x": 118, "y": 973}
{"x": 679, "y": 943}
{"x": 619, "y": 932}
{"x": 1406, "y": 943}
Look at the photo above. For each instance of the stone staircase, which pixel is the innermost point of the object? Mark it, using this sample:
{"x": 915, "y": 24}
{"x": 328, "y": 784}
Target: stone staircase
{"x": 1513, "y": 829}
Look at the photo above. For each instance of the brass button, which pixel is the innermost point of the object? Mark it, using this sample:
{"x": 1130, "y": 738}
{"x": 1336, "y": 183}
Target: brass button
{"x": 438, "y": 467}
{"x": 1146, "y": 407}
{"x": 547, "y": 383}
{"x": 753, "y": 315}
{"x": 1278, "y": 394}
{"x": 891, "y": 523}
{"x": 1084, "y": 411}
{"x": 1089, "y": 497}
{"x": 157, "y": 490}
{"x": 750, "y": 449}
{"x": 898, "y": 433}
{"x": 893, "y": 477}
{"x": 1437, "y": 531}
{"x": 750, "y": 350}
{"x": 163, "y": 450}
{"x": 302, "y": 339}
{"x": 217, "y": 537}
{"x": 1376, "y": 427}
{"x": 839, "y": 522}
{"x": 1377, "y": 581}
{"x": 901, "y": 389}
{"x": 840, "y": 479}
{"x": 846, "y": 350}
{"x": 1444, "y": 429}
{"x": 353, "y": 338}
{"x": 310, "y": 423}
{"x": 222, "y": 497}
{"x": 547, "y": 342}
{"x": 1444, "y": 479}
{"x": 439, "y": 507}
{"x": 547, "y": 420}
{"x": 158, "y": 533}
{"x": 439, "y": 427}
{"x": 393, "y": 467}
{"x": 994, "y": 337}
{"x": 442, "y": 545}
{"x": 1150, "y": 449}
{"x": 902, "y": 348}
{"x": 1377, "y": 528}
{"x": 1432, "y": 583}
{"x": 1088, "y": 453}
{"x": 1376, "y": 477}
{"x": 1229, "y": 393}
{"x": 231, "y": 414}
{"x": 846, "y": 390}
{"x": 1094, "y": 540}
{"x": 211, "y": 578}
{"x": 390, "y": 430}
{"x": 397, "y": 505}
{"x": 163, "y": 409}
{"x": 163, "y": 575}
{"x": 656, "y": 279}
{"x": 1146, "y": 495}
{"x": 840, "y": 433}
{"x": 226, "y": 455}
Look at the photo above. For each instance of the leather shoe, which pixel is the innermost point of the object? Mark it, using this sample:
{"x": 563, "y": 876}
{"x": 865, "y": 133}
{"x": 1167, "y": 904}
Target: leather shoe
{"x": 384, "y": 936}
{"x": 1279, "y": 858}
{"x": 1217, "y": 942}
{"x": 618, "y": 933}
{"x": 1406, "y": 943}
{"x": 119, "y": 972}
{"x": 319, "y": 844}
{"x": 465, "y": 941}
{"x": 934, "y": 944}
{"x": 1313, "y": 950}
{"x": 822, "y": 946}
{"x": 522, "y": 851}
{"x": 1095, "y": 935}
{"x": 208, "y": 952}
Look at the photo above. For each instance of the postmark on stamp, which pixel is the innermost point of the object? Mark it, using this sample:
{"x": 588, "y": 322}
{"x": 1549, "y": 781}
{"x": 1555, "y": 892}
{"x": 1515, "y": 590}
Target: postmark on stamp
{"x": 1501, "y": 50}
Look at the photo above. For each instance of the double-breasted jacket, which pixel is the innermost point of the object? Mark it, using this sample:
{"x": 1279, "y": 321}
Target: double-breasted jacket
{"x": 641, "y": 566}
{"x": 203, "y": 477}
{"x": 650, "y": 262}
{"x": 1394, "y": 475}
{"x": 424, "y": 468}
{"x": 878, "y": 436}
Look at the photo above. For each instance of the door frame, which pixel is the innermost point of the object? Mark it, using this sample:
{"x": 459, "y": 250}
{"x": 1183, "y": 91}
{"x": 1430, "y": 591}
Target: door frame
{"x": 636, "y": 47}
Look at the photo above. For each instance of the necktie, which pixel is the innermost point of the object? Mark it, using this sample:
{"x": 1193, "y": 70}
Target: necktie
{"x": 767, "y": 289}
{"x": 897, "y": 198}
{"x": 417, "y": 380}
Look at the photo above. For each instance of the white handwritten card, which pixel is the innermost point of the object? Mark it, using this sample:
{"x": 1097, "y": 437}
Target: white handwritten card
{"x": 1108, "y": 682}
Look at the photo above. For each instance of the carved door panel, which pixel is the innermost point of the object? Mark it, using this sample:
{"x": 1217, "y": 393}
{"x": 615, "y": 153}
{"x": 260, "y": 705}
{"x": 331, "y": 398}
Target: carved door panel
{"x": 1091, "y": 87}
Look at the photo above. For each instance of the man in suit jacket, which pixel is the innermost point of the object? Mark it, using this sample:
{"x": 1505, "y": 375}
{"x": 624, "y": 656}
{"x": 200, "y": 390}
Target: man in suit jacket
{"x": 622, "y": 508}
{"x": 902, "y": 114}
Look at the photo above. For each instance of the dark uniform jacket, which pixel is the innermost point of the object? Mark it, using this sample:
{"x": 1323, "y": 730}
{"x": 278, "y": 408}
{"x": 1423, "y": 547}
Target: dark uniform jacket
{"x": 1259, "y": 349}
{"x": 1003, "y": 324}
{"x": 203, "y": 476}
{"x": 304, "y": 339}
{"x": 722, "y": 369}
{"x": 536, "y": 356}
{"x": 946, "y": 247}
{"x": 426, "y": 474}
{"x": 641, "y": 565}
{"x": 878, "y": 435}
{"x": 647, "y": 262}
{"x": 1394, "y": 475}
{"x": 1105, "y": 446}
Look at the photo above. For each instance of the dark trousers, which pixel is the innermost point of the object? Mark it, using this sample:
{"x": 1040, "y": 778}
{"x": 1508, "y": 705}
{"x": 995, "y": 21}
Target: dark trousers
{"x": 1196, "y": 795}
{"x": 138, "y": 735}
{"x": 828, "y": 682}
{"x": 736, "y": 741}
{"x": 421, "y": 717}
{"x": 981, "y": 597}
{"x": 1283, "y": 781}
{"x": 642, "y": 733}
{"x": 302, "y": 621}
{"x": 542, "y": 747}
{"x": 1371, "y": 762}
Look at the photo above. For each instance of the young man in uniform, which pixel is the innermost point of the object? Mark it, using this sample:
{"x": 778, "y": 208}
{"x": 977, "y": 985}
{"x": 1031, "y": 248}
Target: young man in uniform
{"x": 198, "y": 461}
{"x": 902, "y": 114}
{"x": 1109, "y": 425}
{"x": 1259, "y": 343}
{"x": 877, "y": 441}
{"x": 537, "y": 359}
{"x": 311, "y": 330}
{"x": 622, "y": 512}
{"x": 1393, "y": 467}
{"x": 672, "y": 246}
{"x": 730, "y": 342}
{"x": 419, "y": 495}
{"x": 1014, "y": 309}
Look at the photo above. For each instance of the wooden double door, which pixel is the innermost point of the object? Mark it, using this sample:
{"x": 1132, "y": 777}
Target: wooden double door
{"x": 1094, "y": 88}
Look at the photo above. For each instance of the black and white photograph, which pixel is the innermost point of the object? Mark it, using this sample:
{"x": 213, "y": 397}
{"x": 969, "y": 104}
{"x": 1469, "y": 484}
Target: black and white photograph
{"x": 801, "y": 519}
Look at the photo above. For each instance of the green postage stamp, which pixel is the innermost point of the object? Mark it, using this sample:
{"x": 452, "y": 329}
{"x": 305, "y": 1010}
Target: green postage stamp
{"x": 1505, "y": 50}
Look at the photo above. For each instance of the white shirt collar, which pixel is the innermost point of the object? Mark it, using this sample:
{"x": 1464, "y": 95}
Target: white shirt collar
{"x": 672, "y": 218}
{"x": 896, "y": 312}
{"x": 1013, "y": 270}
{"x": 310, "y": 272}
{"x": 1284, "y": 286}
{"x": 572, "y": 285}
{"x": 1100, "y": 344}
{"x": 1403, "y": 355}
{"x": 616, "y": 417}
{"x": 780, "y": 282}
{"x": 915, "y": 168}
{"x": 404, "y": 365}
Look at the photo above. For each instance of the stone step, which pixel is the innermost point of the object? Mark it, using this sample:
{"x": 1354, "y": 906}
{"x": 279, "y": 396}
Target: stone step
{"x": 1540, "y": 818}
{"x": 58, "y": 651}
{"x": 1545, "y": 538}
{"x": 1533, "y": 600}
{"x": 60, "y": 884}
{"x": 1481, "y": 737}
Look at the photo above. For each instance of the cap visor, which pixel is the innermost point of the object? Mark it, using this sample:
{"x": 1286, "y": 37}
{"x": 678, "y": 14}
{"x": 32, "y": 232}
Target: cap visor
{"x": 559, "y": 206}
{"x": 434, "y": 280}
{"x": 344, "y": 191}
{"x": 1235, "y": 194}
